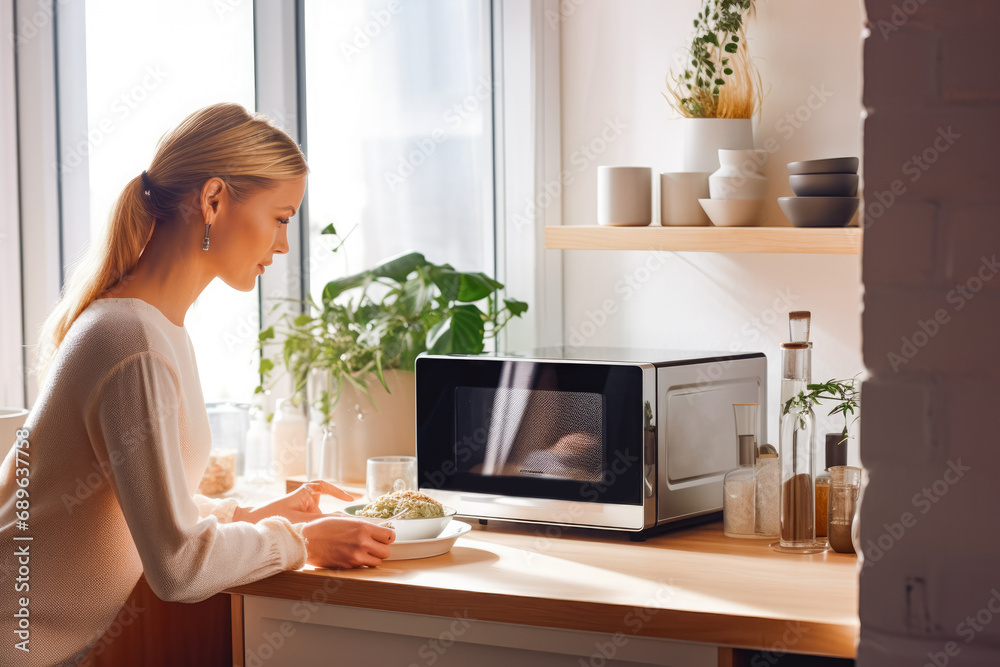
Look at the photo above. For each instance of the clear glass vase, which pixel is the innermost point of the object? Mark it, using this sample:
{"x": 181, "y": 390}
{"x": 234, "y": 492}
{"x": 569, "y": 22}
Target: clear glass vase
{"x": 740, "y": 486}
{"x": 798, "y": 495}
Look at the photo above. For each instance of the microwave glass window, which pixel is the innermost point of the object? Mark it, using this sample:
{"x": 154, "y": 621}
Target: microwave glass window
{"x": 530, "y": 433}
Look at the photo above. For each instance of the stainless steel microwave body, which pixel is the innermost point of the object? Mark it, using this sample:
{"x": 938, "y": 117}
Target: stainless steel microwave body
{"x": 597, "y": 437}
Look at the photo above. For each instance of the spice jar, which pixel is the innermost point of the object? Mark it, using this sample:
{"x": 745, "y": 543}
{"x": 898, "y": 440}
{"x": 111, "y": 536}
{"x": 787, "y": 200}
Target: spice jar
{"x": 836, "y": 455}
{"x": 767, "y": 502}
{"x": 845, "y": 483}
{"x": 739, "y": 485}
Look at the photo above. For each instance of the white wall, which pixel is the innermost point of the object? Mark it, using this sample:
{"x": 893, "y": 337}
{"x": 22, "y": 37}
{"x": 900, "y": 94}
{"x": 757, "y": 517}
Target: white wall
{"x": 615, "y": 56}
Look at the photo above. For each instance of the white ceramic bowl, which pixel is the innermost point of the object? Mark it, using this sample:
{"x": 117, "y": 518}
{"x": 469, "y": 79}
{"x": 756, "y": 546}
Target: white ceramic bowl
{"x": 415, "y": 529}
{"x": 732, "y": 212}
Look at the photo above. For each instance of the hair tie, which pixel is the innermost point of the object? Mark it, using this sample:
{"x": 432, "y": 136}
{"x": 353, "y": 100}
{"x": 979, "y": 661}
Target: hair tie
{"x": 146, "y": 183}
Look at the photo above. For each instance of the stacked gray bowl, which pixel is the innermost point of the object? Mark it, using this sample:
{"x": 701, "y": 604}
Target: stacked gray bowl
{"x": 826, "y": 192}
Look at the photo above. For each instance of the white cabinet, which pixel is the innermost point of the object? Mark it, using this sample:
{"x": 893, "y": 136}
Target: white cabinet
{"x": 288, "y": 632}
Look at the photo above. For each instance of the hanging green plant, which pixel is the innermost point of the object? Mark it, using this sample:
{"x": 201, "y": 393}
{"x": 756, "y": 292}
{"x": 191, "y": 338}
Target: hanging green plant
{"x": 721, "y": 81}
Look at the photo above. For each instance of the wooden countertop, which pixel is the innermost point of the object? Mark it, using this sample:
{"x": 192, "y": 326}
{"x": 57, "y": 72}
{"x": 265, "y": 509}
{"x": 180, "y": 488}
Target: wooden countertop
{"x": 694, "y": 584}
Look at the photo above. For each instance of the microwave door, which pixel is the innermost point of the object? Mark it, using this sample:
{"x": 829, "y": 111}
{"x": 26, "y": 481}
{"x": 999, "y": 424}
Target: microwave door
{"x": 508, "y": 414}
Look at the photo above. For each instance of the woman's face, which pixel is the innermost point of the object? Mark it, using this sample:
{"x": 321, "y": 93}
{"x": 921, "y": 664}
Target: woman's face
{"x": 253, "y": 231}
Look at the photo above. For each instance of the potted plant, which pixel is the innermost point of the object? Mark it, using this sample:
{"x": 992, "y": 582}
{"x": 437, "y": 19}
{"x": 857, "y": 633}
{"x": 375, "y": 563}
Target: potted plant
{"x": 718, "y": 91}
{"x": 846, "y": 393}
{"x": 362, "y": 340}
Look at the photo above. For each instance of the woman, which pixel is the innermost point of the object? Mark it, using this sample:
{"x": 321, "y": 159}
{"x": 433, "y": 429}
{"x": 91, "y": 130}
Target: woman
{"x": 118, "y": 439}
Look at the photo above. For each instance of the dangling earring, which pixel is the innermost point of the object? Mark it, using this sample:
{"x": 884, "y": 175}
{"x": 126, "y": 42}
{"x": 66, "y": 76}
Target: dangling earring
{"x": 204, "y": 243}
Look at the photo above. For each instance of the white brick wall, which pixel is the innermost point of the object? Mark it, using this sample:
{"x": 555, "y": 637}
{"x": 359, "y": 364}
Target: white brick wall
{"x": 930, "y": 587}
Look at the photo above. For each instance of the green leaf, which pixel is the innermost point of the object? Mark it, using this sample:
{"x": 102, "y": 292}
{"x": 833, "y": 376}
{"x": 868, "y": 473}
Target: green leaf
{"x": 266, "y": 334}
{"x": 725, "y": 61}
{"x": 464, "y": 287}
{"x": 329, "y": 229}
{"x": 719, "y": 82}
{"x": 266, "y": 366}
{"x": 727, "y": 71}
{"x": 398, "y": 268}
{"x": 461, "y": 332}
{"x": 711, "y": 38}
{"x": 302, "y": 320}
{"x": 516, "y": 308}
{"x": 730, "y": 48}
{"x": 736, "y": 38}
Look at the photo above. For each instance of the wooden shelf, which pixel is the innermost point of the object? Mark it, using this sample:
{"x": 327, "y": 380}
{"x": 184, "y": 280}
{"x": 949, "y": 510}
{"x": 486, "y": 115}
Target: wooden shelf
{"x": 813, "y": 241}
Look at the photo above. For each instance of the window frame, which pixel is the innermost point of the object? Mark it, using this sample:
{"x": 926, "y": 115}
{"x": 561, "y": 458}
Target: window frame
{"x": 525, "y": 152}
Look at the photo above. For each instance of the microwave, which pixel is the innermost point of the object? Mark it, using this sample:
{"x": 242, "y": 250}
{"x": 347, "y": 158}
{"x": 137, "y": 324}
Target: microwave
{"x": 619, "y": 439}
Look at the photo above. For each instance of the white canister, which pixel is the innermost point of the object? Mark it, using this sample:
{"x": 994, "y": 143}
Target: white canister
{"x": 289, "y": 430}
{"x": 679, "y": 195}
{"x": 624, "y": 196}
{"x": 11, "y": 421}
{"x": 739, "y": 176}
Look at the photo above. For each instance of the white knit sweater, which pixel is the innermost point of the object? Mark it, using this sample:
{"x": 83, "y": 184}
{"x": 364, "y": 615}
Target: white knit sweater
{"x": 117, "y": 443}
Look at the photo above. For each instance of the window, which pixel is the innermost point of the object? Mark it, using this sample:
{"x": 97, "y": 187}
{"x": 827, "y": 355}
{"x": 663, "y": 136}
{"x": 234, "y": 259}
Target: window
{"x": 399, "y": 123}
{"x": 149, "y": 65}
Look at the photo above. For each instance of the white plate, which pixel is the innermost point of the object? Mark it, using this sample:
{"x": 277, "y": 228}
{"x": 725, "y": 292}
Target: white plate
{"x": 410, "y": 549}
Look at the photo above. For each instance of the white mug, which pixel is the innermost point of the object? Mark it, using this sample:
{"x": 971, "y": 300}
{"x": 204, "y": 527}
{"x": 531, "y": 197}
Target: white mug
{"x": 11, "y": 421}
{"x": 679, "y": 195}
{"x": 624, "y": 196}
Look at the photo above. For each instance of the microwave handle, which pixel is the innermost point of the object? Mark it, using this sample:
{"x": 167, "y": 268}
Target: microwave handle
{"x": 649, "y": 456}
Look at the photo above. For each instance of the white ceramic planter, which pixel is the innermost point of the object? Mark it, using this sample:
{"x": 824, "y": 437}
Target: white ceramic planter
{"x": 624, "y": 196}
{"x": 703, "y": 137}
{"x": 739, "y": 176}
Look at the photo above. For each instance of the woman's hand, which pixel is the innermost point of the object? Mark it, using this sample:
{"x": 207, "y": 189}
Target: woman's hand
{"x": 345, "y": 542}
{"x": 299, "y": 506}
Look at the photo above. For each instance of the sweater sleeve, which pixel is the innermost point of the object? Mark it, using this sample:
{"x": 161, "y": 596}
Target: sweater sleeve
{"x": 187, "y": 555}
{"x": 222, "y": 509}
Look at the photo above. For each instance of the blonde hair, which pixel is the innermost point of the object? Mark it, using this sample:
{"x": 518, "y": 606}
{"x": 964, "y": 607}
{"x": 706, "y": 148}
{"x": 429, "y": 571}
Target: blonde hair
{"x": 249, "y": 152}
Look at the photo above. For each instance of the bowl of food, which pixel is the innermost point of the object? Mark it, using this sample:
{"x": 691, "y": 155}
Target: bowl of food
{"x": 424, "y": 518}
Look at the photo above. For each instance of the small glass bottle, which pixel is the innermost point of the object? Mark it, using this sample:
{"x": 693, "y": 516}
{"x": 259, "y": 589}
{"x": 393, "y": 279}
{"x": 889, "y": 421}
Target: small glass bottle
{"x": 836, "y": 455}
{"x": 739, "y": 485}
{"x": 258, "y": 454}
{"x": 767, "y": 503}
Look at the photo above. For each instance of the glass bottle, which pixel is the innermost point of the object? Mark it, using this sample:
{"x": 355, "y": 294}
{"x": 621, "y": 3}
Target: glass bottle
{"x": 796, "y": 357}
{"x": 836, "y": 455}
{"x": 767, "y": 502}
{"x": 739, "y": 485}
{"x": 258, "y": 454}
{"x": 289, "y": 430}
{"x": 844, "y": 488}
{"x": 798, "y": 496}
